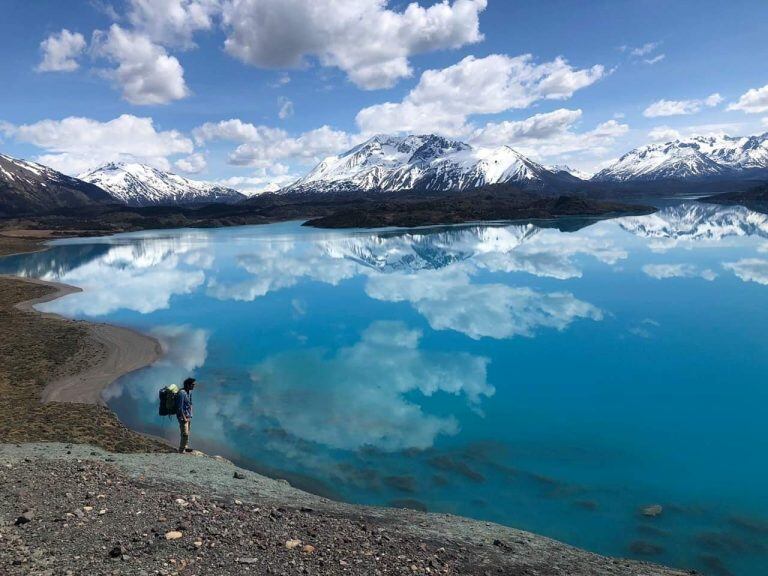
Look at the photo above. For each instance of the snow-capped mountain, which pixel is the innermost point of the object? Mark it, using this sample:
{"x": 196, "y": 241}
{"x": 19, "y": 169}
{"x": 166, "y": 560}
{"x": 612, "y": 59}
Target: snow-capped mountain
{"x": 565, "y": 169}
{"x": 30, "y": 187}
{"x": 141, "y": 185}
{"x": 698, "y": 223}
{"x": 426, "y": 162}
{"x": 699, "y": 157}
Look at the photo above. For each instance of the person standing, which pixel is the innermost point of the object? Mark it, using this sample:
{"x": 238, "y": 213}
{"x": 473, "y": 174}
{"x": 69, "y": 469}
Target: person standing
{"x": 184, "y": 413}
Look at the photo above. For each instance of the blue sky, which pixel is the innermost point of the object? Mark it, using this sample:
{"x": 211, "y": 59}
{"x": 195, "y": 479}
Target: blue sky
{"x": 254, "y": 92}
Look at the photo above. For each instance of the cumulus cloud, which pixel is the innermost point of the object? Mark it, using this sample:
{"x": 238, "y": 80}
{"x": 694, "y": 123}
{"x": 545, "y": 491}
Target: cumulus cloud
{"x": 141, "y": 277}
{"x": 172, "y": 22}
{"x": 681, "y": 107}
{"x": 443, "y": 99}
{"x": 754, "y": 101}
{"x": 145, "y": 72}
{"x": 662, "y": 271}
{"x": 280, "y": 265}
{"x": 550, "y": 134}
{"x": 262, "y": 146}
{"x": 192, "y": 164}
{"x": 61, "y": 51}
{"x": 450, "y": 301}
{"x": 76, "y": 144}
{"x": 263, "y": 180}
{"x": 368, "y": 41}
{"x": 663, "y": 134}
{"x": 348, "y": 409}
{"x": 185, "y": 349}
{"x": 750, "y": 269}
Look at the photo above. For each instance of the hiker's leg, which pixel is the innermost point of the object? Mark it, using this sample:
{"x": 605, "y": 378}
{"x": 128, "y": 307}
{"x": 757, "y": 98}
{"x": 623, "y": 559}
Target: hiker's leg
{"x": 183, "y": 435}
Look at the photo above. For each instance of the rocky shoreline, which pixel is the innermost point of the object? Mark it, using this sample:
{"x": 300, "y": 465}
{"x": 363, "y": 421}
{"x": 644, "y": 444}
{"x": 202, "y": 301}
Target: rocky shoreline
{"x": 74, "y": 509}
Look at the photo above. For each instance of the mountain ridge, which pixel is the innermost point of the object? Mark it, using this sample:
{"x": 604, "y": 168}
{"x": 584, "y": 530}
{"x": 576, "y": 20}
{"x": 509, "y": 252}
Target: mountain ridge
{"x": 31, "y": 187}
{"x": 136, "y": 184}
{"x": 694, "y": 158}
{"x": 423, "y": 162}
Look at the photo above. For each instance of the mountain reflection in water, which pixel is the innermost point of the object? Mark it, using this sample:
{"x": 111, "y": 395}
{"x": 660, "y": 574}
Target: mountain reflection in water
{"x": 551, "y": 380}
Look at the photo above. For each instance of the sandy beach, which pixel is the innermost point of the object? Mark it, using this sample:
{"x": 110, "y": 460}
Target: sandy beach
{"x": 125, "y": 350}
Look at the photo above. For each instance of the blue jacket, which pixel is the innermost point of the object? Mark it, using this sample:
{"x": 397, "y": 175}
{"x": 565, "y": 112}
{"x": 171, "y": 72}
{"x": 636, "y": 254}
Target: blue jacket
{"x": 183, "y": 405}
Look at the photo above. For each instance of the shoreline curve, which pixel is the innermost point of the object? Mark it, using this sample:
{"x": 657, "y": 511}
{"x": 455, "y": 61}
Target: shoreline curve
{"x": 126, "y": 350}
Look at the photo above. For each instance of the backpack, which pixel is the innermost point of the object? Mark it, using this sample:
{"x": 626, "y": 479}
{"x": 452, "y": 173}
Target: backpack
{"x": 168, "y": 397}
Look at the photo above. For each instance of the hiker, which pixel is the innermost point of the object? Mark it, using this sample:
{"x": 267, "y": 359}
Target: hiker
{"x": 184, "y": 412}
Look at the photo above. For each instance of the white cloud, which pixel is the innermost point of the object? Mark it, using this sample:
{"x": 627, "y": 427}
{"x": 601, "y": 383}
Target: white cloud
{"x": 364, "y": 38}
{"x": 645, "y": 49}
{"x": 681, "y": 107}
{"x": 764, "y": 121}
{"x": 449, "y": 301}
{"x": 261, "y": 146}
{"x": 172, "y": 22}
{"x": 655, "y": 60}
{"x": 750, "y": 269}
{"x": 61, "y": 51}
{"x": 662, "y": 271}
{"x": 550, "y": 134}
{"x": 141, "y": 277}
{"x": 285, "y": 108}
{"x": 443, "y": 99}
{"x": 268, "y": 179}
{"x": 192, "y": 164}
{"x": 145, "y": 72}
{"x": 75, "y": 144}
{"x": 754, "y": 101}
{"x": 663, "y": 134}
{"x": 349, "y": 410}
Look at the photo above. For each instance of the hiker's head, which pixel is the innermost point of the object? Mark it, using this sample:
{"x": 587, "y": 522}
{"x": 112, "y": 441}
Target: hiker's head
{"x": 189, "y": 384}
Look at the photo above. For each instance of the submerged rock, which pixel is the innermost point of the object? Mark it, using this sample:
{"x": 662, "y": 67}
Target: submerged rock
{"x": 652, "y": 511}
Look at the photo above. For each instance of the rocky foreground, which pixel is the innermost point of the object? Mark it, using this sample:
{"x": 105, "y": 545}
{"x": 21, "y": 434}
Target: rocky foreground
{"x": 74, "y": 509}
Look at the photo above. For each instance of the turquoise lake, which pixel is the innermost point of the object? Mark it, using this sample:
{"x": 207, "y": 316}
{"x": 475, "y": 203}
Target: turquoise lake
{"x": 554, "y": 380}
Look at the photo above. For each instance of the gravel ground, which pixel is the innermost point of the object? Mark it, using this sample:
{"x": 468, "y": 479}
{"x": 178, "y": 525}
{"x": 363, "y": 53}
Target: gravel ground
{"x": 74, "y": 509}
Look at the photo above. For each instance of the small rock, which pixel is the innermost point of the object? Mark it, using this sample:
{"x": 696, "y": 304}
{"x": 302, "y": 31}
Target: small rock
{"x": 25, "y": 517}
{"x": 116, "y": 552}
{"x": 87, "y": 508}
{"x": 652, "y": 511}
{"x": 198, "y": 544}
{"x": 181, "y": 502}
{"x": 79, "y": 513}
{"x": 308, "y": 549}
{"x": 102, "y": 512}
{"x": 173, "y": 535}
{"x": 247, "y": 560}
{"x": 291, "y": 544}
{"x": 239, "y": 476}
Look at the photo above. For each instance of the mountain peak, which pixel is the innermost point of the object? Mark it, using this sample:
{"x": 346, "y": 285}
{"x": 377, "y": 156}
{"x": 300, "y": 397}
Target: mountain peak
{"x": 695, "y": 157}
{"x": 389, "y": 163}
{"x": 139, "y": 184}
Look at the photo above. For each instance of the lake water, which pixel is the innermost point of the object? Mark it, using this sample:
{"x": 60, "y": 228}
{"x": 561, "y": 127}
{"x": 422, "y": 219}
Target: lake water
{"x": 555, "y": 381}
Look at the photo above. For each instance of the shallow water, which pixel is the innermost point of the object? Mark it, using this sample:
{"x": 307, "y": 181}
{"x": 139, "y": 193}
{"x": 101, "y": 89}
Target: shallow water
{"x": 555, "y": 381}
